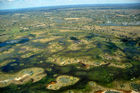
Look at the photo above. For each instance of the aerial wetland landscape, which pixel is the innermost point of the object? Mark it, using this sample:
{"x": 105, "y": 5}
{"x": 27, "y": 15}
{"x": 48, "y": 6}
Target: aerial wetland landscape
{"x": 70, "y": 49}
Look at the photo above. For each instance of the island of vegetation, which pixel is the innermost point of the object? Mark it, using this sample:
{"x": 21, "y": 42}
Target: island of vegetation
{"x": 62, "y": 81}
{"x": 22, "y": 77}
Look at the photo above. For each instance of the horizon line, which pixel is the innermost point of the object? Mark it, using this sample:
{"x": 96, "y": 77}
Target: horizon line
{"x": 68, "y": 5}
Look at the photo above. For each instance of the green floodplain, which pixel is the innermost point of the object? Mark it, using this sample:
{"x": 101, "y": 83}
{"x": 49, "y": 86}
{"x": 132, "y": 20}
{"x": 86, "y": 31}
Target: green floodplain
{"x": 70, "y": 49}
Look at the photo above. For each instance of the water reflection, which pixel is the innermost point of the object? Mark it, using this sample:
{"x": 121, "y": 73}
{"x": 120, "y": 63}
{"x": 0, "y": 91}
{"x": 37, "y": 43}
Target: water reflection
{"x": 13, "y": 42}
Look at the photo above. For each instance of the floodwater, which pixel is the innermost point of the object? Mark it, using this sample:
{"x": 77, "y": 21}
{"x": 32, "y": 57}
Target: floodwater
{"x": 13, "y": 42}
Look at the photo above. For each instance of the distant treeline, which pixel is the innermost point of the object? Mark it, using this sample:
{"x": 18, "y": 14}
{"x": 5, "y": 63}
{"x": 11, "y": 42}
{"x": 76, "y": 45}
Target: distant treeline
{"x": 65, "y": 7}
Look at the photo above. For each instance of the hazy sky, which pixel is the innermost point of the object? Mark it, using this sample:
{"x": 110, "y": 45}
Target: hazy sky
{"x": 10, "y": 4}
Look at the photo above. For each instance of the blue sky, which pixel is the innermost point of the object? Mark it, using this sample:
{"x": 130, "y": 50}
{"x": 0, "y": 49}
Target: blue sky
{"x": 10, "y": 4}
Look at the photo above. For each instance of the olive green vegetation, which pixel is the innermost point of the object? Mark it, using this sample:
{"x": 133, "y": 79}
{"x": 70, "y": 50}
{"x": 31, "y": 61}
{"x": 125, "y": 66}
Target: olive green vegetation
{"x": 92, "y": 43}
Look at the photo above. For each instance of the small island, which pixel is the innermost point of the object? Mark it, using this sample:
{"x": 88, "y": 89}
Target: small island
{"x": 62, "y": 81}
{"x": 34, "y": 74}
